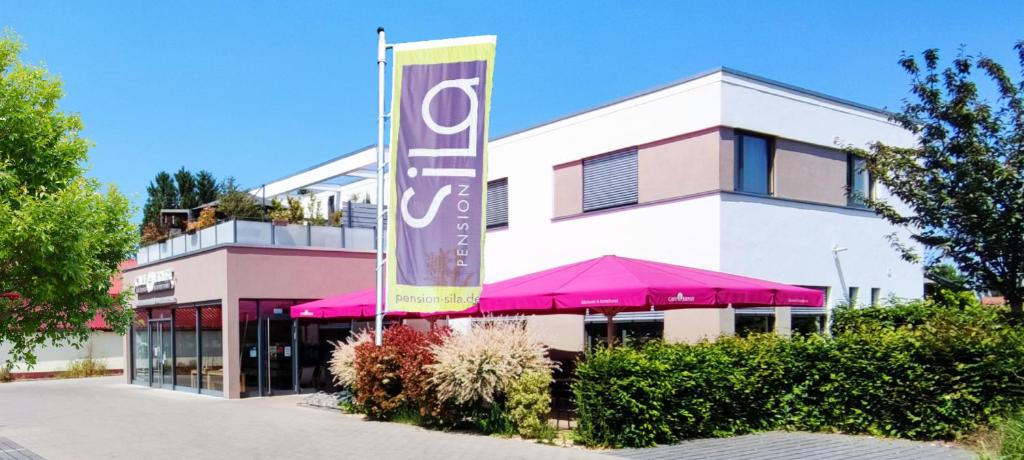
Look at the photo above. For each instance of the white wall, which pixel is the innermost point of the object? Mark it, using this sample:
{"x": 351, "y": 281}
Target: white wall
{"x": 682, "y": 232}
{"x": 680, "y": 109}
{"x": 102, "y": 345}
{"x": 760, "y": 107}
{"x": 792, "y": 243}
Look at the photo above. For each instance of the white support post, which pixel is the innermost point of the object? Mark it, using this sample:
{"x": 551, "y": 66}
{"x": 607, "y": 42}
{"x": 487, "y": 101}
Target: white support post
{"x": 381, "y": 64}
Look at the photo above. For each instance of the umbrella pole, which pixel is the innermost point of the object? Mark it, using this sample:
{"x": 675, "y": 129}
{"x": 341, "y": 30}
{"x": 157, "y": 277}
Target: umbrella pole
{"x": 611, "y": 327}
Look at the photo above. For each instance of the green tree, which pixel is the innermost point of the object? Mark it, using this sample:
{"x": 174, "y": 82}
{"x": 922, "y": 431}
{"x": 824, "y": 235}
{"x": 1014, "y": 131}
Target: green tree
{"x": 161, "y": 193}
{"x": 296, "y": 215}
{"x": 964, "y": 181}
{"x": 188, "y": 192}
{"x": 236, "y": 203}
{"x": 206, "y": 187}
{"x": 61, "y": 236}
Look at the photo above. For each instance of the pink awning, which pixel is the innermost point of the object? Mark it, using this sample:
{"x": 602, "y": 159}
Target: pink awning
{"x": 359, "y": 305}
{"x": 608, "y": 283}
{"x": 620, "y": 283}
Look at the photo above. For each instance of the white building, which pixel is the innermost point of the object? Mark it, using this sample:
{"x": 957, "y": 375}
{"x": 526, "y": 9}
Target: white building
{"x": 724, "y": 171}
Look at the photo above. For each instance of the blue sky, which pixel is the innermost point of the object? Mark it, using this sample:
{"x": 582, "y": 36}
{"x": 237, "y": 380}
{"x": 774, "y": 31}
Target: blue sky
{"x": 259, "y": 89}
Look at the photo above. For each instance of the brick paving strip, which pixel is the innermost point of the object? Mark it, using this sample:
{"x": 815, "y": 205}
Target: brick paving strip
{"x": 10, "y": 450}
{"x": 798, "y": 446}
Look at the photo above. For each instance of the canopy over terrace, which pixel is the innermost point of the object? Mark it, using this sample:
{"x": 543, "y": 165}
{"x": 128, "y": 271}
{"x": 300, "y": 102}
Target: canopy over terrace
{"x": 612, "y": 284}
{"x": 608, "y": 284}
{"x": 359, "y": 305}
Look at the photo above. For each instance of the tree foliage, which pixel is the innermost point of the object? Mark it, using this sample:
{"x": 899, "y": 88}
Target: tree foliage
{"x": 162, "y": 194}
{"x": 207, "y": 188}
{"x": 964, "y": 181}
{"x": 236, "y": 203}
{"x": 61, "y": 236}
{"x": 188, "y": 193}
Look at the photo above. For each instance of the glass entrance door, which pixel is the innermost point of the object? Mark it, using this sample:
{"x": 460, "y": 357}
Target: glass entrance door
{"x": 268, "y": 346}
{"x": 279, "y": 356}
{"x": 162, "y": 346}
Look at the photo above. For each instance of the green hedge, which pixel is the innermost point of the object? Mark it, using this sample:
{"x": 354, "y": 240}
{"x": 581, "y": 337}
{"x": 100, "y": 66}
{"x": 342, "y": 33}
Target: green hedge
{"x": 938, "y": 376}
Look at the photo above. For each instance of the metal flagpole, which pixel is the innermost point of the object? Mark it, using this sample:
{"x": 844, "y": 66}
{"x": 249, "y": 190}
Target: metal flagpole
{"x": 381, "y": 64}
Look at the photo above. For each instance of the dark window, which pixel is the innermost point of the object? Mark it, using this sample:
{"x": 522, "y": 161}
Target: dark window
{"x": 610, "y": 180}
{"x": 859, "y": 184}
{"x": 629, "y": 333}
{"x": 754, "y": 321}
{"x": 852, "y": 295}
{"x": 330, "y": 206}
{"x": 497, "y": 203}
{"x": 809, "y": 320}
{"x": 876, "y": 296}
{"x": 807, "y": 324}
{"x": 753, "y": 164}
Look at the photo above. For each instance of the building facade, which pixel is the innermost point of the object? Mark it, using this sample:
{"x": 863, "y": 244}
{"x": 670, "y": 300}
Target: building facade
{"x": 723, "y": 171}
{"x": 215, "y": 319}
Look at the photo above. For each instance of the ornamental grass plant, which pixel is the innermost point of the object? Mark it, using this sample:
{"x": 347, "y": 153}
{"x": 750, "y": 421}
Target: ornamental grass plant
{"x": 85, "y": 367}
{"x": 495, "y": 377}
{"x": 342, "y": 363}
{"x": 477, "y": 368}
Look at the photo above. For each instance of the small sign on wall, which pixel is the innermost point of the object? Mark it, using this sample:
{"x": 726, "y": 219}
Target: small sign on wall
{"x": 154, "y": 281}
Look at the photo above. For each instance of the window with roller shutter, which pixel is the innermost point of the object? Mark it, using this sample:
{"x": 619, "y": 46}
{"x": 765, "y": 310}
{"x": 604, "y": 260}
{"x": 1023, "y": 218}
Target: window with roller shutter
{"x": 610, "y": 180}
{"x": 497, "y": 203}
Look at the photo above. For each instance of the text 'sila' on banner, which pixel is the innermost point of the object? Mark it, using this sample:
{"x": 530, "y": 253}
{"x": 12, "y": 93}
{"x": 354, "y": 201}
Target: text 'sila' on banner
{"x": 438, "y": 173}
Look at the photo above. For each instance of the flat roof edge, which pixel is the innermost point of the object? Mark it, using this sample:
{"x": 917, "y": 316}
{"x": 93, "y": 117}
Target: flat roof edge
{"x": 722, "y": 69}
{"x": 320, "y": 164}
{"x": 805, "y": 91}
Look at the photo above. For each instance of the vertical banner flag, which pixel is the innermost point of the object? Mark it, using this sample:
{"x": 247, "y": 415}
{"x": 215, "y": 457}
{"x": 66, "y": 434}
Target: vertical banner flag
{"x": 438, "y": 172}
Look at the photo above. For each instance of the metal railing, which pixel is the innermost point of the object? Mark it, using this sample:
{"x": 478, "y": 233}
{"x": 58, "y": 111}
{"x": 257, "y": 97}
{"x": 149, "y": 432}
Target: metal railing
{"x": 260, "y": 234}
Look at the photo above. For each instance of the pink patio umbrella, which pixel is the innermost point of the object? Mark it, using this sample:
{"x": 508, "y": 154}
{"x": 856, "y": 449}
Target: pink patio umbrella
{"x": 612, "y": 284}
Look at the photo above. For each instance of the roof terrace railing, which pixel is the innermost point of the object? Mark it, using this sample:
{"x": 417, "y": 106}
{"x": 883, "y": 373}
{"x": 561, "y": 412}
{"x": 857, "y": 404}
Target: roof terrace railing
{"x": 260, "y": 234}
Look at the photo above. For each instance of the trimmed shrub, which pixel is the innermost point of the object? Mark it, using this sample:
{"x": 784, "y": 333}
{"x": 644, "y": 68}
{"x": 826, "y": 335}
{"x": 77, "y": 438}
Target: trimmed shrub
{"x": 392, "y": 378}
{"x": 5, "y": 375}
{"x": 529, "y": 402}
{"x": 621, "y": 398}
{"x": 957, "y": 307}
{"x": 921, "y": 371}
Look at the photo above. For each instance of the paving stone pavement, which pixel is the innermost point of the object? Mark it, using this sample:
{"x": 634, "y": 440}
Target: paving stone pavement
{"x": 10, "y": 450}
{"x": 798, "y": 446}
{"x": 103, "y": 418}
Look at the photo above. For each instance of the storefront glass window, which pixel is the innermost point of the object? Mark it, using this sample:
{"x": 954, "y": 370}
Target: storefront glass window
{"x": 140, "y": 347}
{"x": 629, "y": 333}
{"x": 808, "y": 324}
{"x": 751, "y": 324}
{"x": 186, "y": 361}
{"x": 212, "y": 349}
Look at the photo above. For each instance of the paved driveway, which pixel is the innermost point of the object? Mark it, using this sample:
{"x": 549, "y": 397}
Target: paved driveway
{"x": 104, "y": 418}
{"x": 809, "y": 446}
